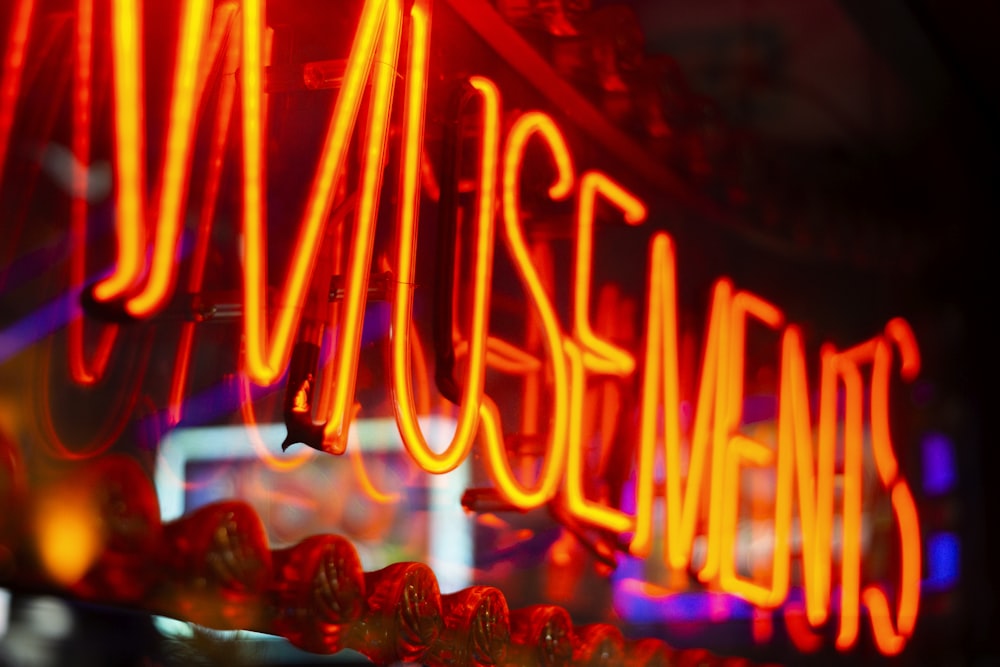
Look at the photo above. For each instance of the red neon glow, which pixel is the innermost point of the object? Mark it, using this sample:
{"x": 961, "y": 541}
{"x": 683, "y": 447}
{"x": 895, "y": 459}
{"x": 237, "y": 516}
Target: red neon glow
{"x": 509, "y": 358}
{"x": 899, "y": 331}
{"x": 116, "y": 417}
{"x": 600, "y": 355}
{"x": 81, "y": 371}
{"x": 729, "y": 415}
{"x": 421, "y": 376}
{"x": 891, "y": 641}
{"x": 588, "y": 352}
{"x": 188, "y": 86}
{"x": 541, "y": 257}
{"x": 267, "y": 355}
{"x": 801, "y": 634}
{"x": 360, "y": 252}
{"x": 130, "y": 149}
{"x": 660, "y": 387}
{"x": 885, "y": 460}
{"x": 503, "y": 356}
{"x": 741, "y": 448}
{"x": 472, "y": 393}
{"x": 428, "y": 179}
{"x": 547, "y": 483}
{"x": 579, "y": 505}
{"x": 903, "y": 505}
{"x": 660, "y": 384}
{"x": 850, "y": 555}
{"x": 526, "y": 125}
{"x": 178, "y": 381}
{"x": 794, "y": 458}
{"x": 223, "y": 24}
{"x": 219, "y": 35}
{"x": 762, "y": 626}
{"x": 172, "y": 189}
{"x": 604, "y": 400}
{"x": 813, "y": 474}
{"x": 13, "y": 68}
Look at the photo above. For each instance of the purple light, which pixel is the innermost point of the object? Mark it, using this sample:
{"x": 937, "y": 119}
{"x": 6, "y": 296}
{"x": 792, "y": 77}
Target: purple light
{"x": 635, "y": 605}
{"x": 938, "y": 463}
{"x": 34, "y": 327}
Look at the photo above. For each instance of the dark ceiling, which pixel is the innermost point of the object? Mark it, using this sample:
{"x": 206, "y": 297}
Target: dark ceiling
{"x": 811, "y": 71}
{"x": 854, "y": 119}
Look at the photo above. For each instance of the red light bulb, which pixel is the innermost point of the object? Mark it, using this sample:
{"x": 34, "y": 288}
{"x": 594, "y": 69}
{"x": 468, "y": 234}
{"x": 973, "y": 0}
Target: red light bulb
{"x": 127, "y": 519}
{"x": 476, "y": 629}
{"x": 403, "y": 616}
{"x": 540, "y": 635}
{"x": 13, "y": 493}
{"x": 734, "y": 661}
{"x": 599, "y": 645}
{"x": 697, "y": 657}
{"x": 219, "y": 566}
{"x": 649, "y": 653}
{"x": 318, "y": 590}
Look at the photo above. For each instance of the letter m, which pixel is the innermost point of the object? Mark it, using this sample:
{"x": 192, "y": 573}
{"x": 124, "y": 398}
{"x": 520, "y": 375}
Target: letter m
{"x": 377, "y": 41}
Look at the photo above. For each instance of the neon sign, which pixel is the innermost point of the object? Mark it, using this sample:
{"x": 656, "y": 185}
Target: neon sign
{"x": 701, "y": 501}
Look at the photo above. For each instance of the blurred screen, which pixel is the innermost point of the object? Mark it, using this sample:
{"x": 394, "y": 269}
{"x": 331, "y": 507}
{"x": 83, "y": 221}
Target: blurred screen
{"x": 374, "y": 495}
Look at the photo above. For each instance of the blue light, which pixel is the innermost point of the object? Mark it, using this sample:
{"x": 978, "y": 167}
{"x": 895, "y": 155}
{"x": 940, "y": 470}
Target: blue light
{"x": 943, "y": 561}
{"x": 938, "y": 463}
{"x": 698, "y": 607}
{"x": 690, "y": 606}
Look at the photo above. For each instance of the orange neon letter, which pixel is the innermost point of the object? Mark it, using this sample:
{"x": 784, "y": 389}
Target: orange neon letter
{"x": 577, "y": 503}
{"x": 890, "y": 640}
{"x": 472, "y": 393}
{"x": 877, "y": 351}
{"x": 190, "y": 73}
{"x": 12, "y": 71}
{"x": 850, "y": 551}
{"x": 742, "y": 448}
{"x": 814, "y": 474}
{"x": 266, "y": 355}
{"x": 130, "y": 164}
{"x": 599, "y": 355}
{"x": 172, "y": 188}
{"x": 525, "y": 127}
{"x": 589, "y": 353}
{"x": 226, "y": 29}
{"x": 82, "y": 372}
{"x": 661, "y": 389}
{"x": 130, "y": 161}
